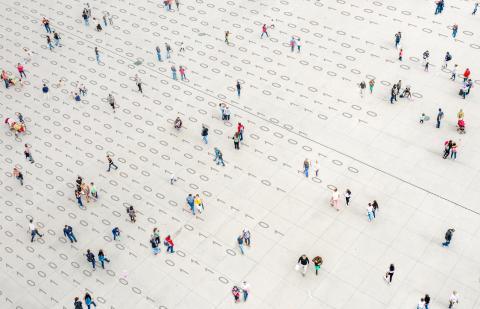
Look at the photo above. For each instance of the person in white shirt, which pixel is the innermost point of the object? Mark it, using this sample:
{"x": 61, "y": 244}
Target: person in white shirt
{"x": 245, "y": 290}
{"x": 453, "y": 299}
{"x": 33, "y": 230}
{"x": 421, "y": 304}
{"x": 316, "y": 168}
{"x": 370, "y": 212}
{"x": 334, "y": 199}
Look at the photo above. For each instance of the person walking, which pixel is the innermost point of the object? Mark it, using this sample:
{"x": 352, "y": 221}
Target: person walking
{"x": 371, "y": 83}
{"x": 299, "y": 46}
{"x": 334, "y": 199}
{"x": 447, "y": 58}
{"x": 89, "y": 301}
{"x": 239, "y": 87}
{"x": 227, "y": 34}
{"x": 102, "y": 258}
{"x": 33, "y": 230}
{"x": 389, "y": 274}
{"x": 454, "y": 30}
{"x": 240, "y": 243}
{"x": 18, "y": 175}
{"x": 93, "y": 191}
{"x": 77, "y": 304}
{"x": 293, "y": 42}
{"x": 56, "y": 38}
{"x": 466, "y": 75}
{"x": 159, "y": 53}
{"x": 132, "y": 214}
{"x": 475, "y": 8}
{"x": 398, "y": 37}
{"x": 454, "y": 72}
{"x": 182, "y": 73}
{"x": 236, "y": 293}
{"x": 264, "y": 31}
{"x": 453, "y": 299}
{"x": 154, "y": 245}
{"x": 169, "y": 243}
{"x": 236, "y": 141}
{"x": 49, "y": 43}
{"x": 448, "y": 146}
{"x": 174, "y": 72}
{"x": 245, "y": 290}
{"x": 453, "y": 153}
{"x": 46, "y": 24}
{"x": 439, "y": 117}
{"x": 427, "y": 301}
{"x": 168, "y": 48}
{"x": 362, "y": 86}
{"x": 306, "y": 167}
{"x": 348, "y": 195}
{"x": 317, "y": 261}
{"x": 138, "y": 81}
{"x": 316, "y": 168}
{"x": 28, "y": 153}
{"x": 218, "y": 157}
{"x": 21, "y": 70}
{"x": 45, "y": 91}
{"x": 85, "y": 18}
{"x": 370, "y": 212}
{"x": 97, "y": 54}
{"x": 68, "y": 232}
{"x": 191, "y": 203}
{"x": 78, "y": 196}
{"x": 91, "y": 258}
{"x": 246, "y": 236}
{"x": 110, "y": 163}
{"x": 302, "y": 263}
{"x": 421, "y": 304}
{"x": 400, "y": 54}
{"x": 240, "y": 130}
{"x": 115, "y": 233}
{"x": 111, "y": 101}
{"x": 448, "y": 237}
{"x": 205, "y": 134}
{"x": 393, "y": 94}
{"x": 375, "y": 208}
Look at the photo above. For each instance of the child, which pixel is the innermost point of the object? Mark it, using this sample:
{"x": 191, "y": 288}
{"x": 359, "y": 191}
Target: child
{"x": 422, "y": 118}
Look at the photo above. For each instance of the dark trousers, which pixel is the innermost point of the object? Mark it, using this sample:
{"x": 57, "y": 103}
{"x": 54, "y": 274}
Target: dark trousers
{"x": 438, "y": 123}
{"x": 71, "y": 237}
{"x": 35, "y": 232}
{"x": 110, "y": 165}
{"x": 22, "y": 73}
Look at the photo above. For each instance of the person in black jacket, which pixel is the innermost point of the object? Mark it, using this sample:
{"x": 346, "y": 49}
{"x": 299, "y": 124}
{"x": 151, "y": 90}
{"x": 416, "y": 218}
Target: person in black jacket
{"x": 303, "y": 262}
{"x": 448, "y": 237}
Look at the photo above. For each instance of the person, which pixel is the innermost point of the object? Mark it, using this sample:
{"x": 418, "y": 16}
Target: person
{"x": 454, "y": 72}
{"x": 398, "y": 37}
{"x": 174, "y": 72}
{"x": 110, "y": 163}
{"x": 317, "y": 261}
{"x": 205, "y": 134}
{"x": 448, "y": 146}
{"x": 306, "y": 167}
{"x": 393, "y": 94}
{"x": 169, "y": 243}
{"x": 116, "y": 233}
{"x": 466, "y": 74}
{"x": 453, "y": 299}
{"x": 227, "y": 33}
{"x": 168, "y": 48}
{"x": 197, "y": 201}
{"x": 56, "y": 38}
{"x": 421, "y": 304}
{"x": 334, "y": 199}
{"x": 400, "y": 54}
{"x": 111, "y": 101}
{"x": 97, "y": 54}
{"x": 448, "y": 57}
{"x": 292, "y": 44}
{"x": 370, "y": 212}
{"x": 28, "y": 154}
{"x": 298, "y": 45}
{"x": 362, "y": 86}
{"x": 131, "y": 213}
{"x": 236, "y": 293}
{"x": 227, "y": 113}
{"x": 178, "y": 123}
{"x": 236, "y": 141}
{"x": 245, "y": 290}
{"x": 89, "y": 301}
{"x": 303, "y": 262}
{"x": 68, "y": 232}
{"x": 316, "y": 168}
{"x": 91, "y": 258}
{"x": 264, "y": 31}
{"x": 218, "y": 157}
{"x": 138, "y": 81}
{"x": 33, "y": 230}
{"x": 389, "y": 274}
{"x": 246, "y": 236}
{"x": 102, "y": 258}
{"x": 448, "y": 237}
{"x": 348, "y": 195}
{"x": 427, "y": 301}
{"x": 475, "y": 8}
{"x": 406, "y": 93}
{"x": 154, "y": 245}
{"x": 45, "y": 91}
{"x": 182, "y": 73}
{"x": 240, "y": 129}
{"x": 454, "y": 30}
{"x": 371, "y": 83}
{"x": 461, "y": 126}
{"x": 439, "y": 117}
{"x": 460, "y": 114}
{"x": 18, "y": 175}
{"x": 77, "y": 304}
{"x": 21, "y": 70}
{"x": 191, "y": 203}
{"x": 422, "y": 117}
{"x": 453, "y": 154}
{"x": 159, "y": 53}
{"x": 375, "y": 207}
{"x": 239, "y": 87}
{"x": 240, "y": 243}
{"x": 49, "y": 43}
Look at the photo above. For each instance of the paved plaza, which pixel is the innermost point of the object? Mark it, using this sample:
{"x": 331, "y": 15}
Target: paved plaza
{"x": 295, "y": 104}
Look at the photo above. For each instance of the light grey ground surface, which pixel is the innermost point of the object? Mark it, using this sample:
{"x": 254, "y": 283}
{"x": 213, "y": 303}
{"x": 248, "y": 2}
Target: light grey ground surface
{"x": 294, "y": 106}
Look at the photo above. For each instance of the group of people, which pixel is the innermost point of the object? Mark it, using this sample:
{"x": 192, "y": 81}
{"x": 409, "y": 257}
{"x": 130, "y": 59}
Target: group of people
{"x": 89, "y": 191}
{"x": 303, "y": 262}
{"x": 155, "y": 241}
{"x": 244, "y": 238}
{"x": 195, "y": 203}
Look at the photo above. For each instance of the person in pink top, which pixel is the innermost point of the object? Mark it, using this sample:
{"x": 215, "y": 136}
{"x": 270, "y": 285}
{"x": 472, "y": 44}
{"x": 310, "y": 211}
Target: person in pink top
{"x": 21, "y": 70}
{"x": 264, "y": 31}
{"x": 182, "y": 73}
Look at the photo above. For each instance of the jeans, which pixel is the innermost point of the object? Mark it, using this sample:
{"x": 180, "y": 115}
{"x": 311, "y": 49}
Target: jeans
{"x": 453, "y": 155}
{"x": 240, "y": 246}
{"x": 454, "y": 33}
{"x": 57, "y": 42}
{"x": 370, "y": 216}
{"x": 305, "y": 171}
{"x": 50, "y": 46}
{"x": 155, "y": 250}
{"x": 115, "y": 235}
{"x": 438, "y": 123}
{"x": 245, "y": 295}
{"x": 20, "y": 179}
{"x": 192, "y": 208}
{"x": 33, "y": 233}
{"x": 47, "y": 28}
{"x": 170, "y": 249}
{"x": 238, "y": 92}
{"x": 220, "y": 161}
{"x": 159, "y": 56}
{"x": 93, "y": 263}
{"x": 98, "y": 58}
{"x": 205, "y": 139}
{"x": 86, "y": 21}
{"x": 71, "y": 237}
{"x": 174, "y": 75}
{"x": 110, "y": 165}
{"x": 446, "y": 243}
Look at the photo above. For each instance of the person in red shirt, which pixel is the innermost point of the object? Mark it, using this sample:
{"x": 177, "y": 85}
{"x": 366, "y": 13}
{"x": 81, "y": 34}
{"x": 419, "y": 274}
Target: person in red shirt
{"x": 169, "y": 243}
{"x": 466, "y": 74}
{"x": 240, "y": 129}
{"x": 21, "y": 71}
{"x": 264, "y": 31}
